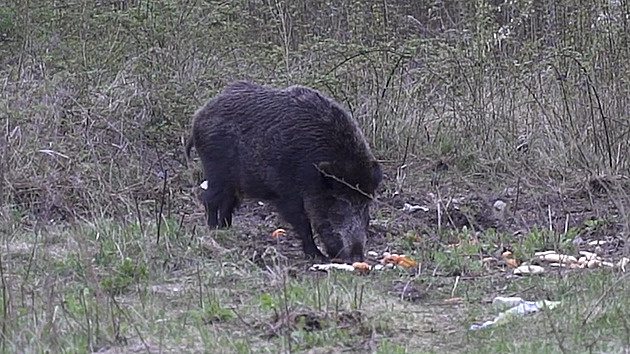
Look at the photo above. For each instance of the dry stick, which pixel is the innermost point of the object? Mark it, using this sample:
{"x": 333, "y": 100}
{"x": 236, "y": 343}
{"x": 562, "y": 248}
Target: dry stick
{"x": 135, "y": 327}
{"x": 31, "y": 258}
{"x": 439, "y": 215}
{"x": 138, "y": 214}
{"x": 50, "y": 307}
{"x": 240, "y": 318}
{"x": 455, "y": 286}
{"x": 518, "y": 194}
{"x": 361, "y": 296}
{"x": 318, "y": 295}
{"x": 355, "y": 188}
{"x": 5, "y": 302}
{"x": 200, "y": 287}
{"x": 552, "y": 322}
{"x": 159, "y": 216}
{"x": 88, "y": 327}
{"x": 286, "y": 309}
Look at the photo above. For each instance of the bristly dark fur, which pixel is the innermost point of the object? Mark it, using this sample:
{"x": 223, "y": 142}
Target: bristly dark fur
{"x": 282, "y": 146}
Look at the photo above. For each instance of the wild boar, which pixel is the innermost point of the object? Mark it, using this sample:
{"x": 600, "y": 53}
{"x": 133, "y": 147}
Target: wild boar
{"x": 295, "y": 148}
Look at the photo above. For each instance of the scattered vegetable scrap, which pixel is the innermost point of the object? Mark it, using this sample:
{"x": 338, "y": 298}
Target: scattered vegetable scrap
{"x": 389, "y": 260}
{"x": 277, "y": 233}
{"x": 361, "y": 266}
{"x": 586, "y": 260}
{"x": 509, "y": 261}
{"x": 528, "y": 269}
{"x": 400, "y": 260}
{"x": 372, "y": 254}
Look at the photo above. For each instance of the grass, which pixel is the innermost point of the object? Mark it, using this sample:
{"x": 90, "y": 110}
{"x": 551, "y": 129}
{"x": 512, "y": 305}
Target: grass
{"x": 103, "y": 243}
{"x": 91, "y": 287}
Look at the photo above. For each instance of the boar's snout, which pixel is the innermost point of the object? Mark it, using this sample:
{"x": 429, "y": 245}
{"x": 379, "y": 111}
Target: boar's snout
{"x": 344, "y": 230}
{"x": 355, "y": 254}
{"x": 348, "y": 249}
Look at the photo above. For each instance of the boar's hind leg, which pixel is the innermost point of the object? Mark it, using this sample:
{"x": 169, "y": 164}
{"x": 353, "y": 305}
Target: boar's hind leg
{"x": 293, "y": 212}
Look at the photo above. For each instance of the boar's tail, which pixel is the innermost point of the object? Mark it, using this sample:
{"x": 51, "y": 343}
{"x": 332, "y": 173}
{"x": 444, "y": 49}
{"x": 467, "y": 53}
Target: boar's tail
{"x": 189, "y": 146}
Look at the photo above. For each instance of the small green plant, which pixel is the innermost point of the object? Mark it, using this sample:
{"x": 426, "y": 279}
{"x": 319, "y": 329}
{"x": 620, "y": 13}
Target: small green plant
{"x": 214, "y": 312}
{"x": 124, "y": 276}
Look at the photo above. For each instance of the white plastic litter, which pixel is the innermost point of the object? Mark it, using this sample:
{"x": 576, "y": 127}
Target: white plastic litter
{"x": 204, "y": 185}
{"x": 409, "y": 208}
{"x": 346, "y": 267}
{"x": 522, "y": 308}
{"x": 327, "y": 267}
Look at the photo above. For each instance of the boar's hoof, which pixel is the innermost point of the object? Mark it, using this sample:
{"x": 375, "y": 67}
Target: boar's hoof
{"x": 313, "y": 253}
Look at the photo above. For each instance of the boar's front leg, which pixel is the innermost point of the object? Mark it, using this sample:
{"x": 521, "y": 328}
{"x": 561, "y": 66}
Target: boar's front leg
{"x": 219, "y": 199}
{"x": 211, "y": 205}
{"x": 229, "y": 203}
{"x": 293, "y": 212}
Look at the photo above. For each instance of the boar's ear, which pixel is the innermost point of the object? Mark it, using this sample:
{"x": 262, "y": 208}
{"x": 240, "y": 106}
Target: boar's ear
{"x": 325, "y": 166}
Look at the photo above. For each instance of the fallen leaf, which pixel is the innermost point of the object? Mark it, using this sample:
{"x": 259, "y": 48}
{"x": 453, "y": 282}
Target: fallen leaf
{"x": 506, "y": 254}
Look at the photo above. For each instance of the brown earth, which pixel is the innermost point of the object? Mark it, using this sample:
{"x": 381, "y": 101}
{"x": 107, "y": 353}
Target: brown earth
{"x": 473, "y": 205}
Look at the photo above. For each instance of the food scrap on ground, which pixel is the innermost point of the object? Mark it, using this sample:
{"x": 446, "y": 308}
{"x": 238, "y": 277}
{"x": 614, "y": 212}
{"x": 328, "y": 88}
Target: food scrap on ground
{"x": 397, "y": 259}
{"x": 509, "y": 261}
{"x": 277, "y": 233}
{"x": 389, "y": 260}
{"x": 586, "y": 260}
{"x": 528, "y": 269}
